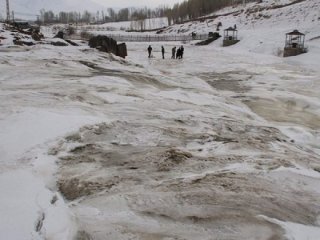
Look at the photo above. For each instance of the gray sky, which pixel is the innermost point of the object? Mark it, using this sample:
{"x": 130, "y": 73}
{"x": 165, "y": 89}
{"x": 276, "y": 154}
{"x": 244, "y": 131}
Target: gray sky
{"x": 136, "y": 3}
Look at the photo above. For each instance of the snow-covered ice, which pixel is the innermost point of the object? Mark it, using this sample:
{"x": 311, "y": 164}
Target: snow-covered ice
{"x": 223, "y": 144}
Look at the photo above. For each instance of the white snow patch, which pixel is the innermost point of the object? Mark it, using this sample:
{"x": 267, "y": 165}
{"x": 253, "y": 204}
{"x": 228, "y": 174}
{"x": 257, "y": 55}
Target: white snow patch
{"x": 296, "y": 231}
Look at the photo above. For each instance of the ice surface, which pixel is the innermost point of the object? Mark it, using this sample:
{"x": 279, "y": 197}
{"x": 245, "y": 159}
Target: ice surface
{"x": 200, "y": 148}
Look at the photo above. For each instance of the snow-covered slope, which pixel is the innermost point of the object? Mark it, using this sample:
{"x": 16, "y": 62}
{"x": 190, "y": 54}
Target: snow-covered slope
{"x": 261, "y": 28}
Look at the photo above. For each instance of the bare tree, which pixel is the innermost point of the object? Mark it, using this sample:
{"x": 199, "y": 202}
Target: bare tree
{"x": 112, "y": 14}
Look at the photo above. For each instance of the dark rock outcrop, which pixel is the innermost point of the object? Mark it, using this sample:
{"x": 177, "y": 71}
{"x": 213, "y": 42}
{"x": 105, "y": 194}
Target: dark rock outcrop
{"x": 21, "y": 43}
{"x": 106, "y": 44}
{"x": 71, "y": 42}
{"x": 59, "y": 44}
{"x": 60, "y": 34}
{"x": 36, "y": 35}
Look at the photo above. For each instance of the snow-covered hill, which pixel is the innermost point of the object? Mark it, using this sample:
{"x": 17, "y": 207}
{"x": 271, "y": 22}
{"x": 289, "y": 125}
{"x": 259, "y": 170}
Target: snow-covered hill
{"x": 266, "y": 14}
{"x": 261, "y": 26}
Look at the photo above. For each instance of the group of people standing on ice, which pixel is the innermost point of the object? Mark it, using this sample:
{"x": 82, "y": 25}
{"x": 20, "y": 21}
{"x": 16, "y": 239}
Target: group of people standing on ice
{"x": 176, "y": 53}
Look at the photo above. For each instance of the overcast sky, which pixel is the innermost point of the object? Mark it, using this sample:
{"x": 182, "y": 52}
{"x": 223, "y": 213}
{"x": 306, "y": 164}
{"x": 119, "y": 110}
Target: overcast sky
{"x": 136, "y": 3}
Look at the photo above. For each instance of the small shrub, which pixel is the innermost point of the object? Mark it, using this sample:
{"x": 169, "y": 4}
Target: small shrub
{"x": 71, "y": 30}
{"x": 85, "y": 35}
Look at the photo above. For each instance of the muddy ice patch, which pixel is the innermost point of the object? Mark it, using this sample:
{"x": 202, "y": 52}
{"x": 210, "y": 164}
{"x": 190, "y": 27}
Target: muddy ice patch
{"x": 132, "y": 148}
{"x": 111, "y": 170}
{"x": 100, "y": 151}
{"x": 228, "y": 81}
{"x": 231, "y": 193}
{"x": 284, "y": 110}
{"x": 131, "y": 133}
{"x": 182, "y": 134}
{"x": 136, "y": 78}
{"x": 234, "y": 138}
{"x": 226, "y": 204}
{"x": 144, "y": 181}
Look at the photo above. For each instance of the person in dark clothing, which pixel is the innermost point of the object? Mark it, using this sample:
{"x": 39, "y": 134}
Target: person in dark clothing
{"x": 173, "y": 53}
{"x": 162, "y": 51}
{"x": 149, "y": 51}
{"x": 178, "y": 55}
{"x": 182, "y": 50}
{"x": 218, "y": 26}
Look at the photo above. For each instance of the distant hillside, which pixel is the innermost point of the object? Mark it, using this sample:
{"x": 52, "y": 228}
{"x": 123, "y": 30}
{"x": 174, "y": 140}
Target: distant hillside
{"x": 284, "y": 14}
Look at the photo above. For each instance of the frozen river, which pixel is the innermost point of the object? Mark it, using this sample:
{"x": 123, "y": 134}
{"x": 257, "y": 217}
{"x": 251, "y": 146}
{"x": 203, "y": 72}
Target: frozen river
{"x": 223, "y": 144}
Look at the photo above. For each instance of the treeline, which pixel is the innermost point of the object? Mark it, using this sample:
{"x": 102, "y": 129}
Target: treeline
{"x": 192, "y": 9}
{"x": 125, "y": 14}
{"x": 187, "y": 10}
